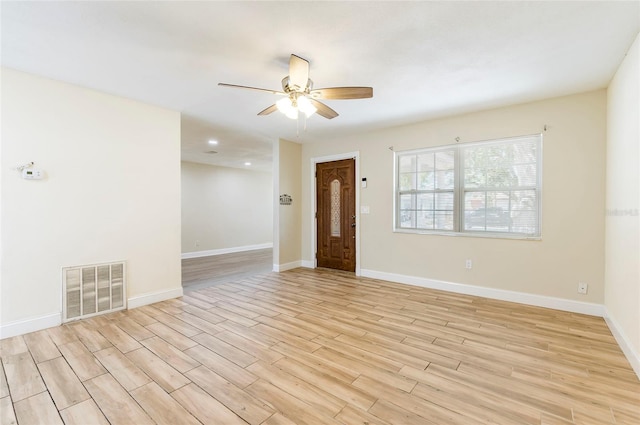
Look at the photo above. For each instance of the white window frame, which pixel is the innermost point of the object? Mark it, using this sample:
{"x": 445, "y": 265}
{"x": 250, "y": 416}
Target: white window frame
{"x": 459, "y": 190}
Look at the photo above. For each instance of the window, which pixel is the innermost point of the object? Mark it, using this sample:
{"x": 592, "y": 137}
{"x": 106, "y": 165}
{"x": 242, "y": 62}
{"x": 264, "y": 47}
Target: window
{"x": 484, "y": 188}
{"x": 335, "y": 208}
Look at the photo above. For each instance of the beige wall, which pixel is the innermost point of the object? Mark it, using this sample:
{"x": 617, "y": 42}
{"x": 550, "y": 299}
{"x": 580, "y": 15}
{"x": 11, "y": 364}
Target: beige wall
{"x": 287, "y": 218}
{"x": 112, "y": 192}
{"x": 225, "y": 207}
{"x": 622, "y": 264}
{"x": 572, "y": 245}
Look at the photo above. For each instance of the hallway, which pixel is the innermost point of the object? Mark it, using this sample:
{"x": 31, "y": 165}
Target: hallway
{"x": 198, "y": 273}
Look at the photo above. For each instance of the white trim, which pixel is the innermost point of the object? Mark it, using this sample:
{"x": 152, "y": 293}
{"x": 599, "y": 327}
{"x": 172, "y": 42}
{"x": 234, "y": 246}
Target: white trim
{"x": 329, "y": 158}
{"x": 632, "y": 356}
{"x": 21, "y": 327}
{"x": 308, "y": 264}
{"x": 591, "y": 309}
{"x": 287, "y": 266}
{"x": 276, "y": 203}
{"x": 153, "y": 297}
{"x": 198, "y": 254}
{"x": 34, "y": 324}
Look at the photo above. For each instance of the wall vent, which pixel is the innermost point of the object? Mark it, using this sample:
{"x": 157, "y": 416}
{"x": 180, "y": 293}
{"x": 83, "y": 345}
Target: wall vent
{"x": 93, "y": 289}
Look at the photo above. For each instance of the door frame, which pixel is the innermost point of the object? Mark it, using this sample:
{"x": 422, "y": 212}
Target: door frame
{"x": 314, "y": 226}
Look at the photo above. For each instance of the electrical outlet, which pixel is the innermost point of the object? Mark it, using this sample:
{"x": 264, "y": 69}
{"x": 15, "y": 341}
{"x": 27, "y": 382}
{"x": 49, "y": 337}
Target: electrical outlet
{"x": 582, "y": 288}
{"x": 468, "y": 264}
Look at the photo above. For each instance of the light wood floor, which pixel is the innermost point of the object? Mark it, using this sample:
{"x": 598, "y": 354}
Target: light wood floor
{"x": 321, "y": 347}
{"x": 202, "y": 272}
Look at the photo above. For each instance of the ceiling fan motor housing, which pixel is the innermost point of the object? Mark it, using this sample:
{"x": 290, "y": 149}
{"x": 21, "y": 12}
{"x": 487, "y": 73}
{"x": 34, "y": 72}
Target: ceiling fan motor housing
{"x": 287, "y": 88}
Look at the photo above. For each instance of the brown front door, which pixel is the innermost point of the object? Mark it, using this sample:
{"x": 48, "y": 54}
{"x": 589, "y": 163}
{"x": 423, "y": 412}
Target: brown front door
{"x": 336, "y": 214}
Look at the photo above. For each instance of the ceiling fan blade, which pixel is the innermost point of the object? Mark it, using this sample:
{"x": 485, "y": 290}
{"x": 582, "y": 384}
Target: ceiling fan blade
{"x": 251, "y": 88}
{"x": 298, "y": 72}
{"x": 268, "y": 110}
{"x": 323, "y": 110}
{"x": 342, "y": 93}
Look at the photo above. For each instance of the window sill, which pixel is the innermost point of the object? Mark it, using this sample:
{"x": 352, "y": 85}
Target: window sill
{"x": 492, "y": 235}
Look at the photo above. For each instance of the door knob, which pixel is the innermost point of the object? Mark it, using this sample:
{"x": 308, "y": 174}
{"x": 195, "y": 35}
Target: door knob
{"x": 353, "y": 224}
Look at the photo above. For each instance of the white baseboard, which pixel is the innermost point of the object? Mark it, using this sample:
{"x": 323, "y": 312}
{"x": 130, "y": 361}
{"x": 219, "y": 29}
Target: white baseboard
{"x": 632, "y": 356}
{"x": 287, "y": 266}
{"x": 21, "y": 327}
{"x": 308, "y": 264}
{"x": 154, "y": 297}
{"x": 591, "y": 309}
{"x": 198, "y": 254}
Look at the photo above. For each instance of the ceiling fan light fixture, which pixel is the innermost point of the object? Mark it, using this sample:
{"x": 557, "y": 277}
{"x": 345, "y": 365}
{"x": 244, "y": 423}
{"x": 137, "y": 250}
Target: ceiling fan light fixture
{"x": 305, "y": 105}
{"x": 285, "y": 105}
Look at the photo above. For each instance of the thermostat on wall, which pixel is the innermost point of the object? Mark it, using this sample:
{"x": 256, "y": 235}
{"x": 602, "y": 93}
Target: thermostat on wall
{"x": 32, "y": 174}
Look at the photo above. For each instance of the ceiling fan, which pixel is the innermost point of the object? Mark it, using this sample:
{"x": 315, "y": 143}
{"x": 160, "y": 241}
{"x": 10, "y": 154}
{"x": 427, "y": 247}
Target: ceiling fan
{"x": 300, "y": 95}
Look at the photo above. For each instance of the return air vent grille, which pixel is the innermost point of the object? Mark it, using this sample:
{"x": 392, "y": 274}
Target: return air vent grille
{"x": 93, "y": 289}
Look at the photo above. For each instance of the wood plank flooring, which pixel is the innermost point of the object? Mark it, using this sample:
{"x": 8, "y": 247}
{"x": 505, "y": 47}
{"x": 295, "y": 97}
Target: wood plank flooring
{"x": 202, "y": 272}
{"x": 310, "y": 347}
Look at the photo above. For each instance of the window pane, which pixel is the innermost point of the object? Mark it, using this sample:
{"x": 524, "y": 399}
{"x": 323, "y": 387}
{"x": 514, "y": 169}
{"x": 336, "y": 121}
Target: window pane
{"x": 445, "y": 179}
{"x": 425, "y": 181}
{"x": 444, "y": 220}
{"x": 524, "y": 200}
{"x": 406, "y": 202}
{"x": 498, "y": 220}
{"x": 407, "y": 181}
{"x": 407, "y": 210}
{"x": 425, "y": 220}
{"x": 335, "y": 208}
{"x": 426, "y": 162}
{"x": 474, "y": 208}
{"x": 524, "y": 211}
{"x": 501, "y": 177}
{"x": 444, "y": 160}
{"x": 475, "y": 177}
{"x": 525, "y": 152}
{"x": 444, "y": 201}
{"x": 407, "y": 164}
{"x": 525, "y": 174}
{"x": 425, "y": 201}
{"x": 497, "y": 199}
{"x": 524, "y": 222}
{"x": 475, "y": 157}
{"x": 497, "y": 216}
{"x": 509, "y": 166}
{"x": 491, "y": 219}
{"x": 505, "y": 165}
{"x": 407, "y": 219}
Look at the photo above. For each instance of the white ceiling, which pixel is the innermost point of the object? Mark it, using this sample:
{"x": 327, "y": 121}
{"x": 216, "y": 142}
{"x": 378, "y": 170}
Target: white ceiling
{"x": 423, "y": 59}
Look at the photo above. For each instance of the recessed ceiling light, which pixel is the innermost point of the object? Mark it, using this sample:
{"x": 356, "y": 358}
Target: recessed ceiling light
{"x": 213, "y": 142}
{"x": 247, "y": 163}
